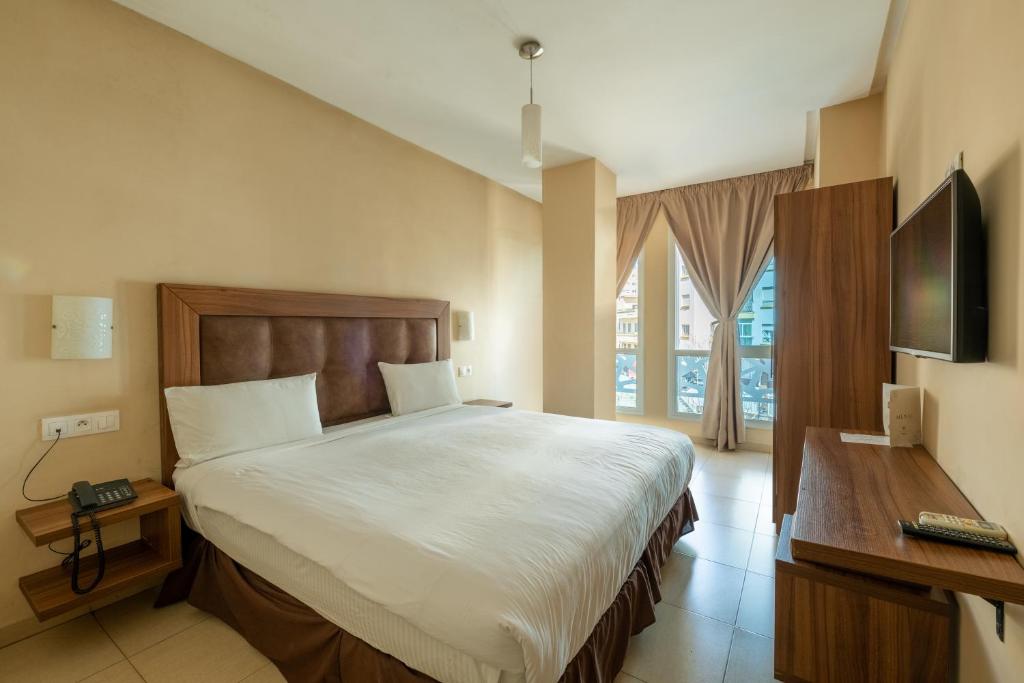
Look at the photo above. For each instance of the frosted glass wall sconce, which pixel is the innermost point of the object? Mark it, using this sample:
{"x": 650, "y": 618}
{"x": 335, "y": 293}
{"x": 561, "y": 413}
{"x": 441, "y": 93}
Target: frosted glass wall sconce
{"x": 464, "y": 328}
{"x": 82, "y": 327}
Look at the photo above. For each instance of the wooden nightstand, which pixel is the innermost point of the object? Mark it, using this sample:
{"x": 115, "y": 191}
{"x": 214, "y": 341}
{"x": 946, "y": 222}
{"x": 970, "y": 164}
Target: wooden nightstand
{"x": 489, "y": 403}
{"x": 157, "y": 553}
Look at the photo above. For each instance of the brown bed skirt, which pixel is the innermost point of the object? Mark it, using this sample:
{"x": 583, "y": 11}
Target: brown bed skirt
{"x": 306, "y": 647}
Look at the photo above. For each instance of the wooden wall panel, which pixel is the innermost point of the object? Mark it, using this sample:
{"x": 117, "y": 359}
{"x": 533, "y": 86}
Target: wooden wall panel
{"x": 832, "y": 318}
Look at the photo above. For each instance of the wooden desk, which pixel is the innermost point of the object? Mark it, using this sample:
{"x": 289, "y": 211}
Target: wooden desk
{"x": 157, "y": 553}
{"x": 851, "y": 496}
{"x": 854, "y": 598}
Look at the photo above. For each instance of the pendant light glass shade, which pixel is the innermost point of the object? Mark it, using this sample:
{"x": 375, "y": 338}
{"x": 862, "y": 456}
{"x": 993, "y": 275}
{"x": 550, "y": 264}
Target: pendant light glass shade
{"x": 532, "y": 149}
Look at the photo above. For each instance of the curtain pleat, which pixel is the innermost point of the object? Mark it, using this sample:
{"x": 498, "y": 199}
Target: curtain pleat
{"x": 725, "y": 231}
{"x": 635, "y": 217}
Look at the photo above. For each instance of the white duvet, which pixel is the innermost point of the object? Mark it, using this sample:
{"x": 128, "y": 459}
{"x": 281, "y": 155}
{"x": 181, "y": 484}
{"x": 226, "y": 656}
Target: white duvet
{"x": 503, "y": 534}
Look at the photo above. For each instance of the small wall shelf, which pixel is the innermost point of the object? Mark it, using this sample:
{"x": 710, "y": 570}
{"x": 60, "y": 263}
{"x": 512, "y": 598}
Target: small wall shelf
{"x": 156, "y": 554}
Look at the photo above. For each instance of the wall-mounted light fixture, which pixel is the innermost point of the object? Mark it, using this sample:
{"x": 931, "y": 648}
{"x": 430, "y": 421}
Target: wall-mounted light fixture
{"x": 464, "y": 328}
{"x": 82, "y": 327}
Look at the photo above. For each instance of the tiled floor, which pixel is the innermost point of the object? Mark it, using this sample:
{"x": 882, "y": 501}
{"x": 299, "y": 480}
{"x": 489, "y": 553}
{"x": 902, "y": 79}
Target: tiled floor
{"x": 714, "y": 621}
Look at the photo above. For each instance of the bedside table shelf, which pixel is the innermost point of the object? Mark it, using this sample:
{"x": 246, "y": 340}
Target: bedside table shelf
{"x": 156, "y": 554}
{"x": 49, "y": 592}
{"x": 488, "y": 403}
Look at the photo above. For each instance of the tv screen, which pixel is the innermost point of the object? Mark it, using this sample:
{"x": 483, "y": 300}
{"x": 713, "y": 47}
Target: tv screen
{"x": 922, "y": 277}
{"x": 937, "y": 262}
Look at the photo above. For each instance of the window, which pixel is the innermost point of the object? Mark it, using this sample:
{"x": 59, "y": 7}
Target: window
{"x": 627, "y": 345}
{"x": 691, "y": 346}
{"x": 757, "y": 383}
{"x": 746, "y": 331}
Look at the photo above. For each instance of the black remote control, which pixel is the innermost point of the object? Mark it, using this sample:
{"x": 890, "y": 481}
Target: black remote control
{"x": 937, "y": 533}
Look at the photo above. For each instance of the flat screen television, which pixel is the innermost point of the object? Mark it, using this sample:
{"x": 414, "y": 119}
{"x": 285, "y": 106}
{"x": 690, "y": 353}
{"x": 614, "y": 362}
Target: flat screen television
{"x": 937, "y": 279}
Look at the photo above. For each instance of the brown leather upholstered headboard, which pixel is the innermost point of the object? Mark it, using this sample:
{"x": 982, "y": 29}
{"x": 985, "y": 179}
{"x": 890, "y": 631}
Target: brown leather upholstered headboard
{"x": 215, "y": 335}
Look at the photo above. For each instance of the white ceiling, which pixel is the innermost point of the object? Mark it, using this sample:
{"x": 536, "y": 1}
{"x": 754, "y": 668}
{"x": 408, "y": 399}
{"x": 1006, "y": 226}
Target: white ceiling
{"x": 664, "y": 92}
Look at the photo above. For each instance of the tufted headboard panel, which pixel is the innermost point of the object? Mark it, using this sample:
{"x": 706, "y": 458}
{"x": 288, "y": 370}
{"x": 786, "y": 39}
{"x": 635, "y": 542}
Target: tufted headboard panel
{"x": 216, "y": 335}
{"x": 343, "y": 352}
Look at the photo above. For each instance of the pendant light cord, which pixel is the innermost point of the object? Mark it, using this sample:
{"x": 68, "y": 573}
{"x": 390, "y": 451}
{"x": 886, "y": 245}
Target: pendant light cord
{"x": 531, "y": 80}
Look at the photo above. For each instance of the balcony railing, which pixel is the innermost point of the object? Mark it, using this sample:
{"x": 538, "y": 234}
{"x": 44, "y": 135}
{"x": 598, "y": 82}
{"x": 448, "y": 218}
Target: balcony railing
{"x": 757, "y": 384}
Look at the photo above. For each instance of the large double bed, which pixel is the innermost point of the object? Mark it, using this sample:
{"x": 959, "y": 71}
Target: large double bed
{"x": 456, "y": 544}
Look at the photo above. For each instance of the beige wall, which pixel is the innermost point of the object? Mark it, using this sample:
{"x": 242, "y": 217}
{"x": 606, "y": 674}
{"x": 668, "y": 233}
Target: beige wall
{"x": 132, "y": 155}
{"x": 957, "y": 83}
{"x": 656, "y": 287}
{"x": 579, "y": 290}
{"x": 850, "y": 142}
{"x": 605, "y": 291}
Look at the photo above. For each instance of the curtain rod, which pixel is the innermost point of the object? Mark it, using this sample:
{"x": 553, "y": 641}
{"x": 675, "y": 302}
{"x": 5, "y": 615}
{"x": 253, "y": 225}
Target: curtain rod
{"x": 809, "y": 162}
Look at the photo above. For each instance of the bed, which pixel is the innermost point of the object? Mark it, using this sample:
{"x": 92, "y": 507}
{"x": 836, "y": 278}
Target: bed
{"x": 461, "y": 543}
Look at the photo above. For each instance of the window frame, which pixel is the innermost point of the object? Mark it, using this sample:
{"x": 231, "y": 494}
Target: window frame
{"x": 756, "y": 351}
{"x": 639, "y": 350}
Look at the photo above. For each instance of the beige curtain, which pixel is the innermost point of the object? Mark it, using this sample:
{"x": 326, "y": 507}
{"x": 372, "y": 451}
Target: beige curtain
{"x": 725, "y": 230}
{"x": 635, "y": 215}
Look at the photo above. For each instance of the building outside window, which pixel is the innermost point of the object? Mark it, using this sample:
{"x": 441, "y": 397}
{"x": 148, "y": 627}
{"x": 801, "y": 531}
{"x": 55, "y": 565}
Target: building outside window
{"x": 746, "y": 328}
{"x": 691, "y": 346}
{"x": 627, "y": 345}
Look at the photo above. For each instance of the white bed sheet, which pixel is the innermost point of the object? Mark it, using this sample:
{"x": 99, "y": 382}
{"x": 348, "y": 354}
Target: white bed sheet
{"x": 474, "y": 544}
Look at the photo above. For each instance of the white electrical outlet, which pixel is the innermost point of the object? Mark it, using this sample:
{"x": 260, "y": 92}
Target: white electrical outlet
{"x": 81, "y": 425}
{"x": 465, "y": 371}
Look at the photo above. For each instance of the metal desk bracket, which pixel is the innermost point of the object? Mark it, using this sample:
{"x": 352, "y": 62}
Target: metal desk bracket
{"x": 1000, "y": 618}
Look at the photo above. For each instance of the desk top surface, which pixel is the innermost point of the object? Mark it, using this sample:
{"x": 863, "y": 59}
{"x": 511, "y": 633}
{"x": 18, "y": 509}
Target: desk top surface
{"x": 851, "y": 498}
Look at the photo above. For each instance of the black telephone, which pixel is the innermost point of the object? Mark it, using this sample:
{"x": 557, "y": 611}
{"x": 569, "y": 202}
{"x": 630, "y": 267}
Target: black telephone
{"x": 87, "y": 500}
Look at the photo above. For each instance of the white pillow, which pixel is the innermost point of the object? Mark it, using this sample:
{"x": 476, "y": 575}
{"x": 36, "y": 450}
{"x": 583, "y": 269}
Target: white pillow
{"x": 211, "y": 421}
{"x": 418, "y": 386}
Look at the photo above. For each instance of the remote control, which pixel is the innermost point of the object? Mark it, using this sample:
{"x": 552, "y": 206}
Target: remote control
{"x": 965, "y": 524}
{"x": 936, "y": 533}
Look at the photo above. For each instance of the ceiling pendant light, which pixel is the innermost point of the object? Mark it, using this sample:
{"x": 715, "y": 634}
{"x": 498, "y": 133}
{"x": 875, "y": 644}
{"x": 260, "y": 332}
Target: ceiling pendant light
{"x": 533, "y": 156}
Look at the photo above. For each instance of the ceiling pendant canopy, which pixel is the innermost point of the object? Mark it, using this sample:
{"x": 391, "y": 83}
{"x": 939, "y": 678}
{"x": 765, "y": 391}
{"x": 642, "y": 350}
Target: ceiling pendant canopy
{"x": 533, "y": 154}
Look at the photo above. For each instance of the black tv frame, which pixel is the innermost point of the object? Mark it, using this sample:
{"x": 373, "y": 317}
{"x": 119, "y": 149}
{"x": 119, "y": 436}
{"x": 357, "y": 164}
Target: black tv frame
{"x": 969, "y": 286}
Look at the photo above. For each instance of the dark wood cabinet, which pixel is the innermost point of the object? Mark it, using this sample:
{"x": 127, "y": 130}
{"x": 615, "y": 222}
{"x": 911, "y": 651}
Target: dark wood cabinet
{"x": 832, "y": 318}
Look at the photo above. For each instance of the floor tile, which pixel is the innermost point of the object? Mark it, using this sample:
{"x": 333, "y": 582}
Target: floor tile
{"x": 208, "y": 652}
{"x": 626, "y": 678}
{"x": 69, "y": 652}
{"x": 767, "y": 490}
{"x": 268, "y": 674}
{"x": 762, "y": 554}
{"x": 765, "y": 525}
{"x": 133, "y": 624}
{"x": 717, "y": 543}
{"x": 757, "y": 605}
{"x": 708, "y": 588}
{"x": 122, "y": 672}
{"x": 751, "y": 659}
{"x": 738, "y": 462}
{"x": 680, "y": 646}
{"x": 745, "y": 486}
{"x": 740, "y": 514}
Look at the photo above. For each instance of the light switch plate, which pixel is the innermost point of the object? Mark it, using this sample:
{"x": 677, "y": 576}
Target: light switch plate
{"x": 465, "y": 371}
{"x": 81, "y": 425}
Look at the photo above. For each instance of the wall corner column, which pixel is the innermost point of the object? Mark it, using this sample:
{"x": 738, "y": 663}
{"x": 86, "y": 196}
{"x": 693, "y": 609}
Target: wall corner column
{"x": 579, "y": 217}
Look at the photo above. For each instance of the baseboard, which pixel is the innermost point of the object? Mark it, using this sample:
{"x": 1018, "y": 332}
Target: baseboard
{"x": 745, "y": 446}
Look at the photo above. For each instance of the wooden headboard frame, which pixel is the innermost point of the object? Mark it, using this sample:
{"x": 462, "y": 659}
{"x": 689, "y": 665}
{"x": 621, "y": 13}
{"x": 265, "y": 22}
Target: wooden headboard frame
{"x": 180, "y": 307}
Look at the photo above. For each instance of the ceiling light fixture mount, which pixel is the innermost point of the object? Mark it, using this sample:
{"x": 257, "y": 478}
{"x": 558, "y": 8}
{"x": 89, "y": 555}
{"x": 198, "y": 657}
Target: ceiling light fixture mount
{"x": 531, "y": 134}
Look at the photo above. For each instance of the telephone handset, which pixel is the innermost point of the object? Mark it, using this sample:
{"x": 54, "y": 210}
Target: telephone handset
{"x": 87, "y": 500}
